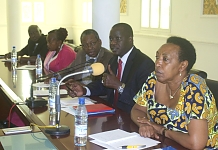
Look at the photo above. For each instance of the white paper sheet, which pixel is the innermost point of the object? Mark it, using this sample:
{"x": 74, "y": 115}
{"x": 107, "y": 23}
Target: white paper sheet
{"x": 17, "y": 130}
{"x": 6, "y": 60}
{"x": 45, "y": 92}
{"x": 27, "y": 67}
{"x": 43, "y": 85}
{"x": 68, "y": 103}
{"x": 115, "y": 138}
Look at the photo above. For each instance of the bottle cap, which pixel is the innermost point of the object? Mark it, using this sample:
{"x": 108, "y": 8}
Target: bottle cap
{"x": 81, "y": 100}
{"x": 38, "y": 56}
{"x": 53, "y": 80}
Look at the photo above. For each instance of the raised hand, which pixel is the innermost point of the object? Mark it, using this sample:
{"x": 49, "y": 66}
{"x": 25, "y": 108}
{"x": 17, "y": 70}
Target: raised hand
{"x": 110, "y": 80}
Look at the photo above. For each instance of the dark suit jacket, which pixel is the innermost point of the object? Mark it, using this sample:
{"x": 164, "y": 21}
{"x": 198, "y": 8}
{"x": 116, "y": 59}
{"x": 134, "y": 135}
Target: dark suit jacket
{"x": 103, "y": 57}
{"x": 138, "y": 67}
{"x": 41, "y": 49}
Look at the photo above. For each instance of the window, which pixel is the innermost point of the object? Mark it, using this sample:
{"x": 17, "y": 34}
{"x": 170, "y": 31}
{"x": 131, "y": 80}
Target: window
{"x": 87, "y": 12}
{"x": 32, "y": 11}
{"x": 155, "y": 15}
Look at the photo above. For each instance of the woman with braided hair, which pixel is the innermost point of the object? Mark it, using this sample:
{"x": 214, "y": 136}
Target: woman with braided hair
{"x": 60, "y": 55}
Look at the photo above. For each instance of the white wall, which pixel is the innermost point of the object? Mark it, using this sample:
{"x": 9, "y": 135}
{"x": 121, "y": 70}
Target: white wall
{"x": 57, "y": 15}
{"x": 187, "y": 22}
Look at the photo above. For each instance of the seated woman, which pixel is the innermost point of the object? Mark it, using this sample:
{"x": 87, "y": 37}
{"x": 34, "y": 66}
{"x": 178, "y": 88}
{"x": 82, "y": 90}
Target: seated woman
{"x": 174, "y": 103}
{"x": 60, "y": 55}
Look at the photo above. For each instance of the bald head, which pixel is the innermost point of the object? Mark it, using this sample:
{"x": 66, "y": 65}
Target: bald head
{"x": 34, "y": 33}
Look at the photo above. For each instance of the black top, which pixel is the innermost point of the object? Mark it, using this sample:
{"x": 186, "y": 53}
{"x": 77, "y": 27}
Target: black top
{"x": 32, "y": 49}
{"x": 137, "y": 69}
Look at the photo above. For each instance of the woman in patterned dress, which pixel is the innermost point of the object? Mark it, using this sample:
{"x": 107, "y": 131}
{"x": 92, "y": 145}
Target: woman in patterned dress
{"x": 174, "y": 103}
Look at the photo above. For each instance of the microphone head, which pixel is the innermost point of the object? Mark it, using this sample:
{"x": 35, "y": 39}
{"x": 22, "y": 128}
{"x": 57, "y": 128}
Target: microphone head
{"x": 97, "y": 69}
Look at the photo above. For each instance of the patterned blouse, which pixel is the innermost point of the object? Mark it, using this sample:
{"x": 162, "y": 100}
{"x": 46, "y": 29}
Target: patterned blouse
{"x": 196, "y": 102}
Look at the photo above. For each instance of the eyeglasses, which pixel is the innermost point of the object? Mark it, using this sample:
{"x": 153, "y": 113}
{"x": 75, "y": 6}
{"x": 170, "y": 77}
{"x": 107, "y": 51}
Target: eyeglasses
{"x": 91, "y": 44}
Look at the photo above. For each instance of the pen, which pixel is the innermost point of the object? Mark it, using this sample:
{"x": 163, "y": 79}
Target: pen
{"x": 69, "y": 88}
{"x": 132, "y": 146}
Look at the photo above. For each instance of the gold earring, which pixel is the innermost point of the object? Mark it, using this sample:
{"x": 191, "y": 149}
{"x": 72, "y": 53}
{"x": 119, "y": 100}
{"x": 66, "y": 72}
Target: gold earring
{"x": 180, "y": 74}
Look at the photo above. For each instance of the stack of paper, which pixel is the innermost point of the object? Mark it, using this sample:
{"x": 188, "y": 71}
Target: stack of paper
{"x": 68, "y": 103}
{"x": 46, "y": 92}
{"x": 17, "y": 130}
{"x": 43, "y": 85}
{"x": 115, "y": 139}
{"x": 27, "y": 67}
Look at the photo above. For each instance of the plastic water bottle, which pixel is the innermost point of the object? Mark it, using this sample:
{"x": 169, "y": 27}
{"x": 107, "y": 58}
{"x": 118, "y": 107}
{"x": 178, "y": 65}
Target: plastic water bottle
{"x": 13, "y": 55}
{"x": 81, "y": 117}
{"x": 52, "y": 94}
{"x": 14, "y": 74}
{"x": 38, "y": 66}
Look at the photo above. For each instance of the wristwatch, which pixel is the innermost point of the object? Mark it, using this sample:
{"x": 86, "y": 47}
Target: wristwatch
{"x": 121, "y": 88}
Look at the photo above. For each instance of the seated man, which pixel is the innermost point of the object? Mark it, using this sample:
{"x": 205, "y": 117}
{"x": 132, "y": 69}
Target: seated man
{"x": 90, "y": 52}
{"x": 133, "y": 70}
{"x": 37, "y": 44}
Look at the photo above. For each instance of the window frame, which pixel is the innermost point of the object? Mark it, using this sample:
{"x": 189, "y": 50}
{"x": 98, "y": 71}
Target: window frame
{"x": 33, "y": 16}
{"x": 156, "y": 31}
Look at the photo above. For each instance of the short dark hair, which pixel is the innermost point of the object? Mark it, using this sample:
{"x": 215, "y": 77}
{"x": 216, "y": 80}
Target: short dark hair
{"x": 33, "y": 26}
{"x": 61, "y": 33}
{"x": 187, "y": 50}
{"x": 126, "y": 27}
{"x": 88, "y": 32}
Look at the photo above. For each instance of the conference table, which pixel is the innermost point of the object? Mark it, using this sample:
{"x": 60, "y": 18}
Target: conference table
{"x": 18, "y": 89}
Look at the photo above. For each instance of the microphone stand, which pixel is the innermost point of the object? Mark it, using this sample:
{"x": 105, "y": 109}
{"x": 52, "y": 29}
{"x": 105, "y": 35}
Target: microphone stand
{"x": 64, "y": 71}
{"x": 33, "y": 102}
{"x": 62, "y": 129}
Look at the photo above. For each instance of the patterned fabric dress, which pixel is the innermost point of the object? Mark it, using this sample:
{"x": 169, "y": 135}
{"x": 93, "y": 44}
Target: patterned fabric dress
{"x": 196, "y": 102}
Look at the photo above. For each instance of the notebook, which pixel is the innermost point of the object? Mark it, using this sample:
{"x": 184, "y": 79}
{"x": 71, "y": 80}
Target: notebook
{"x": 98, "y": 109}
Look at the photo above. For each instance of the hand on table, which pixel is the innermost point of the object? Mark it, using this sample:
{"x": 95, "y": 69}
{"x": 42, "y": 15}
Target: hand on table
{"x": 148, "y": 128}
{"x": 8, "y": 55}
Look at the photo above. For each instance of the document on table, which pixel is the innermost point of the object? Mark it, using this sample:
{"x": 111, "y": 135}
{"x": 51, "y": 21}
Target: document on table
{"x": 68, "y": 103}
{"x": 43, "y": 85}
{"x": 27, "y": 67}
{"x": 17, "y": 130}
{"x": 46, "y": 92}
{"x": 115, "y": 138}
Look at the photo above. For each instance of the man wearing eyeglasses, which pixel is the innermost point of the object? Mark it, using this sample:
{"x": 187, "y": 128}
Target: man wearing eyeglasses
{"x": 128, "y": 69}
{"x": 90, "y": 52}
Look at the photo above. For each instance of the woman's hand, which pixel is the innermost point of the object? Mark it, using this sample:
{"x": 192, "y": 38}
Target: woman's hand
{"x": 146, "y": 129}
{"x": 157, "y": 127}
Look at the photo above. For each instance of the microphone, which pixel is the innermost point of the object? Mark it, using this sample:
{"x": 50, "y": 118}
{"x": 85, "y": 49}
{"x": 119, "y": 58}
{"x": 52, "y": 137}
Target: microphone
{"x": 33, "y": 102}
{"x": 65, "y": 71}
{"x": 95, "y": 69}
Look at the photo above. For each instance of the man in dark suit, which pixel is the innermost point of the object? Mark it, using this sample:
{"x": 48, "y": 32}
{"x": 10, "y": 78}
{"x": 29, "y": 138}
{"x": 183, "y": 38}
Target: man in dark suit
{"x": 135, "y": 69}
{"x": 37, "y": 44}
